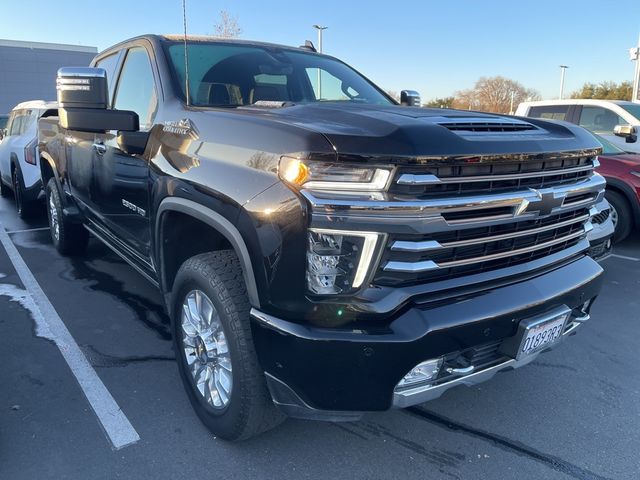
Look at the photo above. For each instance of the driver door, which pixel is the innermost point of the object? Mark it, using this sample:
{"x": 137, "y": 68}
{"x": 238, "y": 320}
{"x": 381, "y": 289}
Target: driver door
{"x": 121, "y": 183}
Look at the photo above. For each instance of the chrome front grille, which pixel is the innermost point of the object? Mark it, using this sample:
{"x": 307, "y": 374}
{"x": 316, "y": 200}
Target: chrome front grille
{"x": 471, "y": 176}
{"x": 408, "y": 260}
{"x": 460, "y": 218}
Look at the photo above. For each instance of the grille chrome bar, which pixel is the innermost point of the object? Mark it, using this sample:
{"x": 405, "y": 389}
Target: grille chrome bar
{"x": 426, "y": 245}
{"x": 430, "y": 179}
{"x": 425, "y": 265}
{"x": 391, "y": 205}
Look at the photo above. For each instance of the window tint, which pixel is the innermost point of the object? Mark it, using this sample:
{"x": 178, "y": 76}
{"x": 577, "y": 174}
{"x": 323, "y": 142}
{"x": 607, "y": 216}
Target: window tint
{"x": 633, "y": 110}
{"x": 21, "y": 122}
{"x": 599, "y": 119}
{"x": 109, "y": 64}
{"x": 233, "y": 75}
{"x": 551, "y": 112}
{"x": 136, "y": 87}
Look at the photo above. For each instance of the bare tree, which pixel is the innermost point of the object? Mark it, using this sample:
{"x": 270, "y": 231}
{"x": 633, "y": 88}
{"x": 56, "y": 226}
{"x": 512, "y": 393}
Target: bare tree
{"x": 227, "y": 26}
{"x": 494, "y": 94}
{"x": 393, "y": 94}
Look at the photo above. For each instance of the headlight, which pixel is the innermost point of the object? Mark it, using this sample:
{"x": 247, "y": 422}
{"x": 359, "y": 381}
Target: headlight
{"x": 637, "y": 174}
{"x": 332, "y": 176}
{"x": 338, "y": 261}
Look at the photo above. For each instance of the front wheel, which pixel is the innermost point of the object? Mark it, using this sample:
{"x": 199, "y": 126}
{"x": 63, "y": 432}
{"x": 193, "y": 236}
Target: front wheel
{"x": 68, "y": 238}
{"x": 214, "y": 348}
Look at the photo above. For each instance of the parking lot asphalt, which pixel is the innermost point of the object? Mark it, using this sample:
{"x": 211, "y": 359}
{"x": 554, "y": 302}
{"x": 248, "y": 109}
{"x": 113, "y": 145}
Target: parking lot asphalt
{"x": 573, "y": 413}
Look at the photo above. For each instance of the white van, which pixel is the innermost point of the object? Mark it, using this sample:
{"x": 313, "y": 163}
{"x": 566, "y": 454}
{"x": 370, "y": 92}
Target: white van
{"x": 599, "y": 116}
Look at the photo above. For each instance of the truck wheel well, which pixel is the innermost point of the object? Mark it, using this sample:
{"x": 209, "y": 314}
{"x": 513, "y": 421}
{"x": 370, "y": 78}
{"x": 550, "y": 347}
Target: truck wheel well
{"x": 625, "y": 195}
{"x": 46, "y": 172}
{"x": 183, "y": 237}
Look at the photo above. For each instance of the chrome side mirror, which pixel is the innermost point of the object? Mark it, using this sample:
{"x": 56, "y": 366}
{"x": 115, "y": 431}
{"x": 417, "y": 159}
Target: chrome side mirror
{"x": 410, "y": 98}
{"x": 628, "y": 132}
{"x": 82, "y": 87}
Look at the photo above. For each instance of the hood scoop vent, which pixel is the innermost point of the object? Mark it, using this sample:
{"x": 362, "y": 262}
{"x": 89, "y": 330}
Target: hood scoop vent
{"x": 488, "y": 127}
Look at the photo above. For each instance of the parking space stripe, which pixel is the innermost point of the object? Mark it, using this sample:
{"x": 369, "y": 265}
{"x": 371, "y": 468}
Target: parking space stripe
{"x": 113, "y": 420}
{"x": 41, "y": 229}
{"x": 624, "y": 257}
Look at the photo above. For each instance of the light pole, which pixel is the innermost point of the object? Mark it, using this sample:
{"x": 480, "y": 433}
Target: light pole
{"x": 634, "y": 56}
{"x": 320, "y": 29}
{"x": 562, "y": 69}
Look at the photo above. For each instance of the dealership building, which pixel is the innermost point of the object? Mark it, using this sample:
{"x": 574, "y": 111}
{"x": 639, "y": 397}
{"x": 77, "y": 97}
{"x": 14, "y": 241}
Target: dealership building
{"x": 28, "y": 69}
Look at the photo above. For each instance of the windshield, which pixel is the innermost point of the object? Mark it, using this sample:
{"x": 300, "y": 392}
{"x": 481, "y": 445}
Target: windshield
{"x": 633, "y": 109}
{"x": 608, "y": 148}
{"x": 3, "y": 121}
{"x": 231, "y": 75}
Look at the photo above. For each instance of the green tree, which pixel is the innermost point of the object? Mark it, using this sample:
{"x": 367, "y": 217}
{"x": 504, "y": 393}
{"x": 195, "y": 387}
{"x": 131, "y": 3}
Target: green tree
{"x": 444, "y": 102}
{"x": 605, "y": 91}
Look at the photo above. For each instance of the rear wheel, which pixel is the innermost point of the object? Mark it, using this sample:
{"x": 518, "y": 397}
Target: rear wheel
{"x": 68, "y": 238}
{"x": 620, "y": 215}
{"x": 4, "y": 190}
{"x": 214, "y": 348}
{"x": 24, "y": 208}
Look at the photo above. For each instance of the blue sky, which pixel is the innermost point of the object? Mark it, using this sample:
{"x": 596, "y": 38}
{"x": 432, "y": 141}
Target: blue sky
{"x": 435, "y": 47}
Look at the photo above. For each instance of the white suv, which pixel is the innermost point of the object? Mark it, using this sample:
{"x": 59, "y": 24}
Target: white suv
{"x": 599, "y": 116}
{"x": 19, "y": 158}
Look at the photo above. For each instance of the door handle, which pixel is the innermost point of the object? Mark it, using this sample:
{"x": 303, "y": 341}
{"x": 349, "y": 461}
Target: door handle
{"x": 458, "y": 372}
{"x": 100, "y": 148}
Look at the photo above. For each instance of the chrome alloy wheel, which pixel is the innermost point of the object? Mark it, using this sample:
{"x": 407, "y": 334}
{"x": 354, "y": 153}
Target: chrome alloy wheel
{"x": 206, "y": 350}
{"x": 53, "y": 216}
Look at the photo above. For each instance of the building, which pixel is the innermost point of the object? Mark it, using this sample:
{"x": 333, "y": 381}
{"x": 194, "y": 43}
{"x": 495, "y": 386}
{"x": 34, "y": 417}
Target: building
{"x": 28, "y": 69}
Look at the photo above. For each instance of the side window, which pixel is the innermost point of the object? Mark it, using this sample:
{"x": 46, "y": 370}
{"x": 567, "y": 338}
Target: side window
{"x": 136, "y": 89}
{"x": 328, "y": 87}
{"x": 551, "y": 112}
{"x": 109, "y": 64}
{"x": 16, "y": 122}
{"x": 29, "y": 118}
{"x": 599, "y": 119}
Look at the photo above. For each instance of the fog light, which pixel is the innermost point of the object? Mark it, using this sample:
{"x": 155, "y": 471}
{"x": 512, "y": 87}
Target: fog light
{"x": 422, "y": 373}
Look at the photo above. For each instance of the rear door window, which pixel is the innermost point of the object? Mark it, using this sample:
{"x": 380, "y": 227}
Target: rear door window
{"x": 19, "y": 123}
{"x": 599, "y": 119}
{"x": 550, "y": 112}
{"x": 109, "y": 64}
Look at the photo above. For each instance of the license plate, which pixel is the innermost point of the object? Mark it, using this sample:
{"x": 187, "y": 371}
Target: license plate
{"x": 541, "y": 334}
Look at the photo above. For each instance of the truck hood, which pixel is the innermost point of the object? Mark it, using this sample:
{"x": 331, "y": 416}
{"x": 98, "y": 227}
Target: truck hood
{"x": 379, "y": 130}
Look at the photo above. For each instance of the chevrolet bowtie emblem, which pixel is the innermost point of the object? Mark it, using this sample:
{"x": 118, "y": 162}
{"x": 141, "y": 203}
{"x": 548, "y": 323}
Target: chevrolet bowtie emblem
{"x": 544, "y": 204}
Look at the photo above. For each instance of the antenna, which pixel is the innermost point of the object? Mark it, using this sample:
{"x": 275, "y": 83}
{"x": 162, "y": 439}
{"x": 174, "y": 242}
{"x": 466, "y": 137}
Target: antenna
{"x": 186, "y": 57}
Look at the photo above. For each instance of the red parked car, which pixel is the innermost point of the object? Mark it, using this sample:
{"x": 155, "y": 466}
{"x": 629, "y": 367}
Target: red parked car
{"x": 622, "y": 171}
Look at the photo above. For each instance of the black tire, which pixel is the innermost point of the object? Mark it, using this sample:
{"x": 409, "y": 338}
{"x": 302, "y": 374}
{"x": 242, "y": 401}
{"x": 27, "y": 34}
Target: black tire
{"x": 621, "y": 211}
{"x": 25, "y": 209}
{"x": 250, "y": 409}
{"x": 4, "y": 190}
{"x": 70, "y": 238}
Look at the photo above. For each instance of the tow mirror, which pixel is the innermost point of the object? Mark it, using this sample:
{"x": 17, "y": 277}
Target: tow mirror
{"x": 409, "y": 98}
{"x": 83, "y": 99}
{"x": 628, "y": 132}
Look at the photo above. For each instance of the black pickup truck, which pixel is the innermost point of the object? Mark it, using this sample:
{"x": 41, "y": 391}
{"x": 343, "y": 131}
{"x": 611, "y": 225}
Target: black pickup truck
{"x": 322, "y": 250}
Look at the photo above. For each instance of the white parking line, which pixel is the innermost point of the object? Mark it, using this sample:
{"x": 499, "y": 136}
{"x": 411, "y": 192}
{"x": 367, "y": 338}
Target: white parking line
{"x": 42, "y": 229}
{"x": 116, "y": 425}
{"x": 624, "y": 257}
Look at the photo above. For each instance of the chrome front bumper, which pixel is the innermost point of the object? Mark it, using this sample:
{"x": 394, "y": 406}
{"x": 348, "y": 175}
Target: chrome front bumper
{"x": 413, "y": 396}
